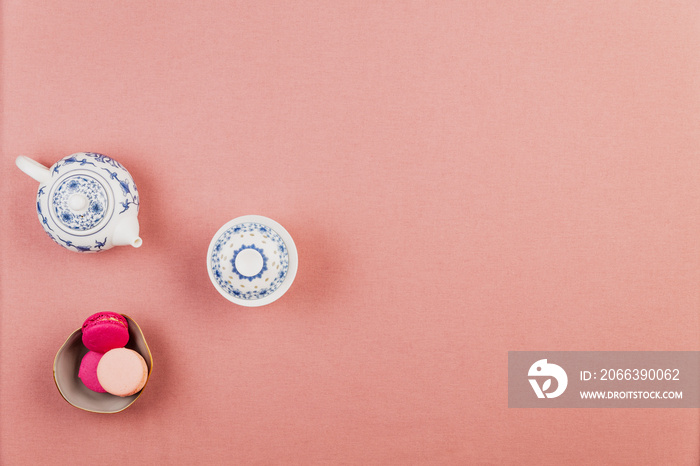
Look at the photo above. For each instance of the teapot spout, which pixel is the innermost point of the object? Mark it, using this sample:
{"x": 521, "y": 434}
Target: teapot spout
{"x": 126, "y": 233}
{"x": 33, "y": 169}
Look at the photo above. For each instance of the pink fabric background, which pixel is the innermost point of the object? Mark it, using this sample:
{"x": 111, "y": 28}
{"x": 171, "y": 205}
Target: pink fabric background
{"x": 461, "y": 179}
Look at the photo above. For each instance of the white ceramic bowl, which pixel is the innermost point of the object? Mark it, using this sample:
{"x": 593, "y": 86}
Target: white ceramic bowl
{"x": 67, "y": 364}
{"x": 252, "y": 260}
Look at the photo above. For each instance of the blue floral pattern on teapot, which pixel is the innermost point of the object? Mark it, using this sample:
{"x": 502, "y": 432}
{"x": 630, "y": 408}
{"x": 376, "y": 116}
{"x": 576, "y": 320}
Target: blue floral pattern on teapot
{"x": 86, "y": 202}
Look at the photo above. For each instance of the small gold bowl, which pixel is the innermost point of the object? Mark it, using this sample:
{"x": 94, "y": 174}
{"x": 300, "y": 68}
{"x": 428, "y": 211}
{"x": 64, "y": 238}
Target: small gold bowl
{"x": 66, "y": 365}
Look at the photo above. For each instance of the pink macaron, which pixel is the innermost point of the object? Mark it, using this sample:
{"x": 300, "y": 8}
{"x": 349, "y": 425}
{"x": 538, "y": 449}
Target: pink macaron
{"x": 122, "y": 372}
{"x": 104, "y": 331}
{"x": 88, "y": 371}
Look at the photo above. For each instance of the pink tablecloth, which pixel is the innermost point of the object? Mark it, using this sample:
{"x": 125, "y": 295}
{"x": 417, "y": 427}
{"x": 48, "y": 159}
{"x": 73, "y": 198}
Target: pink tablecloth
{"x": 461, "y": 179}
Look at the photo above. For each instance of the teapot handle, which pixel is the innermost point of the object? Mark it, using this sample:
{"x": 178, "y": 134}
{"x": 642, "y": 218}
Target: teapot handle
{"x": 33, "y": 169}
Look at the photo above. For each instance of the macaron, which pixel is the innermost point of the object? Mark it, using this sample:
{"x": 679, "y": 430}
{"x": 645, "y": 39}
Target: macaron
{"x": 104, "y": 331}
{"x": 88, "y": 371}
{"x": 122, "y": 372}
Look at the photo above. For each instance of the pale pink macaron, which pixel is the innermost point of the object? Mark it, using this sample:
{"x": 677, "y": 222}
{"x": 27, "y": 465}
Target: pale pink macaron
{"x": 122, "y": 372}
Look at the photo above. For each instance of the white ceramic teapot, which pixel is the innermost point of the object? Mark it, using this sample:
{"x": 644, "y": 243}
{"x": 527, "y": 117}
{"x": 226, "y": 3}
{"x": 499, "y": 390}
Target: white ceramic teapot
{"x": 86, "y": 202}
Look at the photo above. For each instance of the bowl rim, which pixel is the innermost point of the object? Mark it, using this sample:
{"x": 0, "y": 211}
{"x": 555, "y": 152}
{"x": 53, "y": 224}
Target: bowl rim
{"x": 148, "y": 376}
{"x": 293, "y": 260}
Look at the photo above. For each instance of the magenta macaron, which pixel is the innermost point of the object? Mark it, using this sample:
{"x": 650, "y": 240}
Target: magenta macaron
{"x": 88, "y": 371}
{"x": 104, "y": 331}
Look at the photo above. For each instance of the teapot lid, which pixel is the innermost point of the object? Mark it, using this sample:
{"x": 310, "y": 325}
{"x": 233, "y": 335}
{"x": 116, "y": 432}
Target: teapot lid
{"x": 81, "y": 202}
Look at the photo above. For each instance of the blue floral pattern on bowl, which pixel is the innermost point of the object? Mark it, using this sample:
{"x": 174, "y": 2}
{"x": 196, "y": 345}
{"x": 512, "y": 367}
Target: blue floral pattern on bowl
{"x": 249, "y": 235}
{"x": 97, "y": 202}
{"x": 242, "y": 276}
